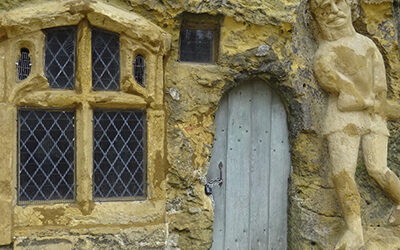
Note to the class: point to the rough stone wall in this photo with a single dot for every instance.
(272, 41)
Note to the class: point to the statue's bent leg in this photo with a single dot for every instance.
(343, 154)
(375, 157)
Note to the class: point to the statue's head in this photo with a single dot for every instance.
(332, 16)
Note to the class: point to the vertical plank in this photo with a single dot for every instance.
(238, 159)
(260, 168)
(280, 168)
(219, 155)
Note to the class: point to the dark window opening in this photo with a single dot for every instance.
(199, 38)
(60, 57)
(105, 60)
(119, 154)
(23, 65)
(46, 155)
(139, 70)
(196, 45)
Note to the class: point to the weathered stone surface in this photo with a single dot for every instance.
(270, 40)
(254, 11)
(146, 237)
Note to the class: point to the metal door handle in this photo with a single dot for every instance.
(220, 173)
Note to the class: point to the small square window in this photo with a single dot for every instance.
(198, 41)
(46, 155)
(119, 154)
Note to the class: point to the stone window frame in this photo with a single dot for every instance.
(23, 27)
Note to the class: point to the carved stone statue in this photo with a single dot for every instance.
(350, 67)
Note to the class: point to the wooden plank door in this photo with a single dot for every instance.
(251, 141)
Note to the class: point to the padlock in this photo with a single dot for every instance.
(207, 189)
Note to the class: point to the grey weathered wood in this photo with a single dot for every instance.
(237, 170)
(260, 174)
(280, 168)
(252, 143)
(219, 155)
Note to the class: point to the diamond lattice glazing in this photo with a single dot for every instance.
(60, 57)
(46, 155)
(119, 162)
(105, 60)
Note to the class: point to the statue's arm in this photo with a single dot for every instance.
(383, 106)
(380, 86)
(328, 77)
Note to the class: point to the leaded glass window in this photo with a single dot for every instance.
(105, 60)
(119, 154)
(196, 45)
(46, 136)
(139, 70)
(60, 57)
(46, 155)
(23, 65)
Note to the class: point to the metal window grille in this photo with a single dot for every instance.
(105, 60)
(60, 57)
(23, 65)
(196, 45)
(139, 70)
(46, 155)
(119, 154)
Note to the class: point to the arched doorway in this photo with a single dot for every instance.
(251, 142)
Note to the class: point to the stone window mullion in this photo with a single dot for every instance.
(84, 154)
(84, 113)
(84, 59)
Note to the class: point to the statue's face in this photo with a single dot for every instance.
(331, 14)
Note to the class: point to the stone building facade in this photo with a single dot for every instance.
(268, 41)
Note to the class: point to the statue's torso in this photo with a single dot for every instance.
(353, 59)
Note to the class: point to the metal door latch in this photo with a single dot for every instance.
(213, 182)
